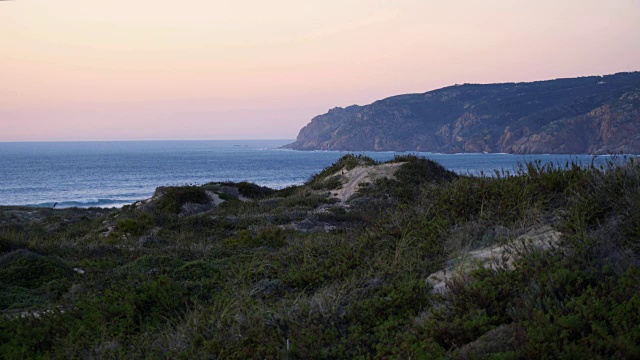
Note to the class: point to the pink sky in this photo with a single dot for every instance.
(207, 69)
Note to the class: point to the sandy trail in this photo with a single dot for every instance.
(362, 174)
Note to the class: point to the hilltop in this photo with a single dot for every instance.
(402, 259)
(594, 115)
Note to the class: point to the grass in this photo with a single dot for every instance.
(238, 281)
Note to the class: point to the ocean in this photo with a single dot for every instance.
(116, 173)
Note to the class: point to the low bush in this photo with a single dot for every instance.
(253, 191)
(173, 198)
(30, 270)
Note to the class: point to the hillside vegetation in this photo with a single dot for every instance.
(235, 270)
(594, 114)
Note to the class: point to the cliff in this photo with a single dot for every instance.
(595, 114)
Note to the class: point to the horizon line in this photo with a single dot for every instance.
(142, 140)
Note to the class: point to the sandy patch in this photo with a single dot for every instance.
(497, 257)
(360, 175)
(215, 198)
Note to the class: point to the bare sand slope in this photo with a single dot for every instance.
(360, 175)
(543, 238)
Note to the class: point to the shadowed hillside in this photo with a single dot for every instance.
(595, 115)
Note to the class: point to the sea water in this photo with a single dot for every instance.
(112, 174)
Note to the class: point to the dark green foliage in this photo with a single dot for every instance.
(173, 198)
(19, 297)
(28, 279)
(201, 270)
(30, 270)
(331, 183)
(239, 281)
(417, 170)
(116, 314)
(272, 237)
(5, 245)
(151, 264)
(288, 191)
(250, 190)
(135, 226)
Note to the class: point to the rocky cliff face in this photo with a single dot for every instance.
(597, 115)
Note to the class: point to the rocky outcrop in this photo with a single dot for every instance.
(596, 115)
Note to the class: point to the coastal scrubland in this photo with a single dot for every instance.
(236, 270)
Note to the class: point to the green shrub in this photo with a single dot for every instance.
(330, 183)
(271, 237)
(253, 191)
(288, 191)
(19, 298)
(198, 270)
(173, 198)
(416, 170)
(135, 226)
(154, 264)
(30, 270)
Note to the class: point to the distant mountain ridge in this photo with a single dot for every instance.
(595, 115)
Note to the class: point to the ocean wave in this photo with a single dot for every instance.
(86, 203)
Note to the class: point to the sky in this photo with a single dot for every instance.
(76, 70)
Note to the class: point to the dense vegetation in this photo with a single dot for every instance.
(294, 273)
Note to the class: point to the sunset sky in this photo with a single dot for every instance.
(248, 69)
